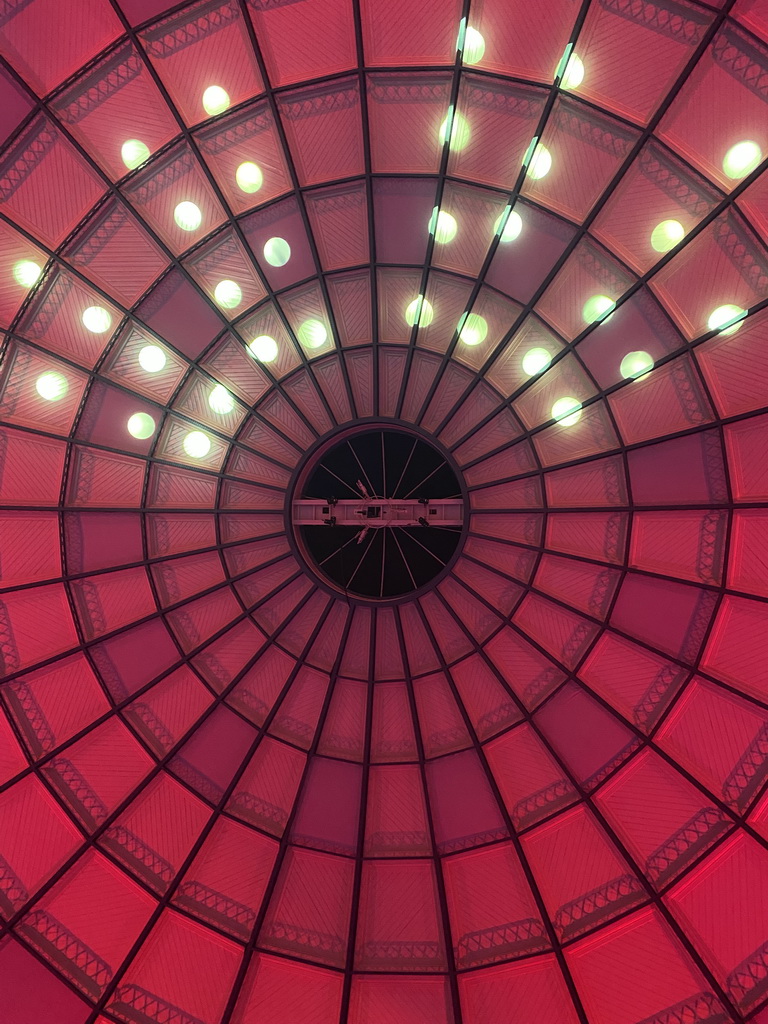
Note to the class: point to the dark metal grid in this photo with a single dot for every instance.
(655, 440)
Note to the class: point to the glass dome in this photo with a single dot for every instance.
(470, 735)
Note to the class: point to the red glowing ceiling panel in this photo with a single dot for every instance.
(382, 512)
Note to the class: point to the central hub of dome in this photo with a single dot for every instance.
(378, 511)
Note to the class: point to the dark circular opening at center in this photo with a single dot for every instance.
(380, 513)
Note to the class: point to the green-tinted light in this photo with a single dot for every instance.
(220, 400)
(567, 411)
(313, 334)
(727, 319)
(152, 359)
(536, 360)
(134, 152)
(96, 319)
(599, 307)
(27, 273)
(51, 386)
(512, 228)
(197, 444)
(742, 159)
(666, 235)
(188, 216)
(249, 177)
(215, 100)
(474, 330)
(141, 426)
(277, 252)
(228, 294)
(636, 364)
(444, 226)
(460, 131)
(420, 309)
(264, 348)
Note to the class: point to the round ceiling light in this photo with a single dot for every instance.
(228, 294)
(188, 216)
(215, 100)
(196, 444)
(152, 359)
(249, 177)
(420, 309)
(134, 153)
(51, 386)
(96, 319)
(277, 252)
(264, 348)
(141, 426)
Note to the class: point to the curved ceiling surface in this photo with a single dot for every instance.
(533, 789)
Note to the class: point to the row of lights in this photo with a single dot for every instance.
(444, 226)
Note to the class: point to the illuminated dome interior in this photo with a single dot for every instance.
(529, 788)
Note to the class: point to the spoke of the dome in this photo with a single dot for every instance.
(582, 231)
(405, 560)
(437, 204)
(371, 220)
(113, 190)
(573, 673)
(651, 893)
(513, 196)
(405, 469)
(90, 841)
(690, 666)
(165, 900)
(293, 174)
(357, 881)
(118, 707)
(158, 612)
(383, 565)
(371, 488)
(285, 840)
(435, 856)
(552, 935)
(233, 222)
(348, 584)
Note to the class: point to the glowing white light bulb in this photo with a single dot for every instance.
(474, 330)
(636, 364)
(420, 309)
(264, 348)
(541, 163)
(474, 47)
(27, 273)
(597, 308)
(277, 252)
(249, 177)
(460, 131)
(152, 359)
(444, 226)
(228, 294)
(728, 319)
(512, 228)
(51, 386)
(313, 334)
(141, 426)
(573, 75)
(666, 235)
(134, 152)
(215, 100)
(220, 400)
(197, 444)
(536, 360)
(96, 319)
(567, 411)
(188, 216)
(741, 159)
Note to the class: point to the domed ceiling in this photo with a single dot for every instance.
(383, 472)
